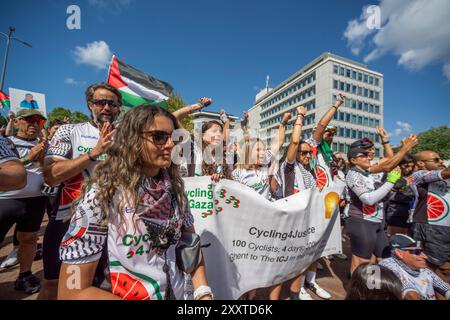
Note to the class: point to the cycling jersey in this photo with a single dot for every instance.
(432, 198)
(257, 179)
(365, 197)
(423, 281)
(135, 259)
(7, 151)
(35, 178)
(69, 142)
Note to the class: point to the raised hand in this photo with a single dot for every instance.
(302, 110)
(410, 142)
(104, 141)
(286, 117)
(340, 100)
(383, 134)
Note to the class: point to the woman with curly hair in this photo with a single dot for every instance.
(122, 238)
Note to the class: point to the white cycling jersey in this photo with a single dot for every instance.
(70, 142)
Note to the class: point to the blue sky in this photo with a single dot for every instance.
(224, 49)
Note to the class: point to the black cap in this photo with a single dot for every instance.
(364, 143)
(354, 152)
(401, 241)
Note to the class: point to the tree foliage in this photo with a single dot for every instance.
(174, 103)
(61, 112)
(435, 139)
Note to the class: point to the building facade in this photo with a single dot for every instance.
(316, 86)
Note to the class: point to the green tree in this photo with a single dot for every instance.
(78, 117)
(435, 139)
(174, 103)
(58, 113)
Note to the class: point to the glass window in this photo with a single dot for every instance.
(371, 108)
(342, 86)
(376, 82)
(335, 116)
(366, 92)
(371, 123)
(347, 103)
(377, 123)
(377, 109)
(348, 73)
(354, 74)
(354, 89)
(341, 116)
(342, 71)
(360, 120)
(366, 121)
(370, 80)
(359, 76)
(377, 95)
(342, 132)
(347, 118)
(360, 105)
(366, 106)
(371, 94)
(353, 134)
(354, 118)
(360, 134)
(365, 78)
(335, 84)
(347, 133)
(377, 152)
(354, 104)
(360, 91)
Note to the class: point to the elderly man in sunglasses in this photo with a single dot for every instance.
(431, 213)
(26, 207)
(408, 262)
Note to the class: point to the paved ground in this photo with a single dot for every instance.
(333, 277)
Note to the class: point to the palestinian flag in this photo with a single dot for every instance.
(136, 86)
(4, 100)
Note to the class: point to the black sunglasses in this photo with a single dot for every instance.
(304, 153)
(416, 251)
(104, 102)
(159, 137)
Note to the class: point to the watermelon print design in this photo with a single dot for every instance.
(437, 207)
(322, 178)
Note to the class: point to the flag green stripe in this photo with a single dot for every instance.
(5, 103)
(130, 100)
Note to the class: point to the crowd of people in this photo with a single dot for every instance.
(107, 185)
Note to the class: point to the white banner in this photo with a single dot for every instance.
(255, 243)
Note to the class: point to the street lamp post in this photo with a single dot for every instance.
(5, 60)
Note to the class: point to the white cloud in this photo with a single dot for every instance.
(403, 129)
(95, 54)
(416, 31)
(72, 81)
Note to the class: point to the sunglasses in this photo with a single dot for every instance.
(104, 102)
(158, 138)
(34, 119)
(435, 160)
(416, 251)
(305, 153)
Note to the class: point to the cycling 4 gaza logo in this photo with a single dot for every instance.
(229, 200)
(438, 199)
